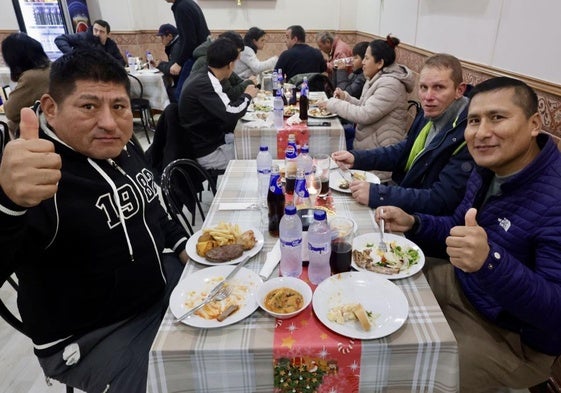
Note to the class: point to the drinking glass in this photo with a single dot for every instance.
(342, 234)
(322, 162)
(313, 184)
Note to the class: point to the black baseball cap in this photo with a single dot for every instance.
(166, 29)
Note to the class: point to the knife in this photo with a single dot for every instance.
(212, 294)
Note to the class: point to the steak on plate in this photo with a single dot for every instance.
(224, 253)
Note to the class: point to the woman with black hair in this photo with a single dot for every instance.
(29, 68)
(248, 64)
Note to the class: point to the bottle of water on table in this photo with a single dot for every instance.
(290, 233)
(264, 163)
(278, 110)
(319, 248)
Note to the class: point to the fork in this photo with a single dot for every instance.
(222, 294)
(344, 173)
(382, 244)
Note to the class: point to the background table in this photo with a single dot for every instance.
(154, 88)
(422, 356)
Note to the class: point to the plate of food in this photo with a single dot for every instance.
(358, 305)
(403, 258)
(291, 110)
(252, 116)
(338, 183)
(193, 289)
(320, 113)
(224, 244)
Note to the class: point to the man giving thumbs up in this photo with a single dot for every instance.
(500, 287)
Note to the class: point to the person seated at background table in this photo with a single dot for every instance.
(170, 39)
(82, 226)
(500, 286)
(335, 49)
(233, 86)
(248, 64)
(380, 113)
(431, 166)
(97, 36)
(205, 111)
(29, 67)
(353, 84)
(299, 58)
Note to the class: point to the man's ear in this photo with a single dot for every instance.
(460, 90)
(535, 122)
(49, 106)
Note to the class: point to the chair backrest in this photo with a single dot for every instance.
(182, 181)
(7, 314)
(413, 109)
(141, 87)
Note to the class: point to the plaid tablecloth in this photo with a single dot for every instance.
(422, 356)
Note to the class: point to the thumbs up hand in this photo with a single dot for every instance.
(467, 245)
(30, 168)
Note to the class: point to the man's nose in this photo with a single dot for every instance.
(106, 119)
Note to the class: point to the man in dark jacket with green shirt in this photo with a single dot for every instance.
(82, 227)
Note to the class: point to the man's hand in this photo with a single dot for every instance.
(30, 169)
(252, 90)
(253, 79)
(338, 93)
(467, 245)
(175, 69)
(396, 220)
(343, 159)
(360, 190)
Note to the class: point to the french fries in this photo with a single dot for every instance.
(220, 235)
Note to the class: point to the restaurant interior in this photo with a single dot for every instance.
(513, 38)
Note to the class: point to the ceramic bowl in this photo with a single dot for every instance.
(284, 282)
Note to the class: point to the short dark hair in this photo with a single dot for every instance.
(446, 61)
(85, 65)
(360, 49)
(298, 32)
(524, 96)
(22, 53)
(221, 52)
(384, 49)
(254, 33)
(235, 37)
(102, 23)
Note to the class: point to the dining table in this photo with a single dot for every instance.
(154, 88)
(264, 354)
(321, 134)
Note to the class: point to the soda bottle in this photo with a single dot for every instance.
(264, 163)
(275, 201)
(301, 195)
(304, 103)
(149, 59)
(319, 248)
(278, 110)
(290, 231)
(290, 157)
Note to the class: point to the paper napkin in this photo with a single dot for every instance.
(273, 258)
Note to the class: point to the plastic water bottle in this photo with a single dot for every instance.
(304, 102)
(290, 157)
(305, 162)
(149, 60)
(319, 248)
(264, 163)
(275, 201)
(290, 233)
(275, 80)
(278, 110)
(301, 195)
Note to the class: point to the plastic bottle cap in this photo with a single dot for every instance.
(290, 210)
(263, 148)
(319, 215)
(305, 149)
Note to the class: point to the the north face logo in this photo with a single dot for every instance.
(504, 223)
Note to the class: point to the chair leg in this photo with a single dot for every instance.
(145, 124)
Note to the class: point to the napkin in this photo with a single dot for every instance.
(237, 206)
(273, 258)
(294, 119)
(259, 123)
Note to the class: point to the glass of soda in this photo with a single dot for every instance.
(322, 162)
(342, 234)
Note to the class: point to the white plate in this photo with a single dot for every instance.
(319, 116)
(361, 242)
(191, 248)
(377, 295)
(252, 116)
(335, 179)
(192, 287)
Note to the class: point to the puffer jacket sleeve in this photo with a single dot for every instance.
(249, 58)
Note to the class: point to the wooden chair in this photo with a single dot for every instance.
(14, 321)
(182, 182)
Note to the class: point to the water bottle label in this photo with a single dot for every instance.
(321, 249)
(265, 171)
(291, 243)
